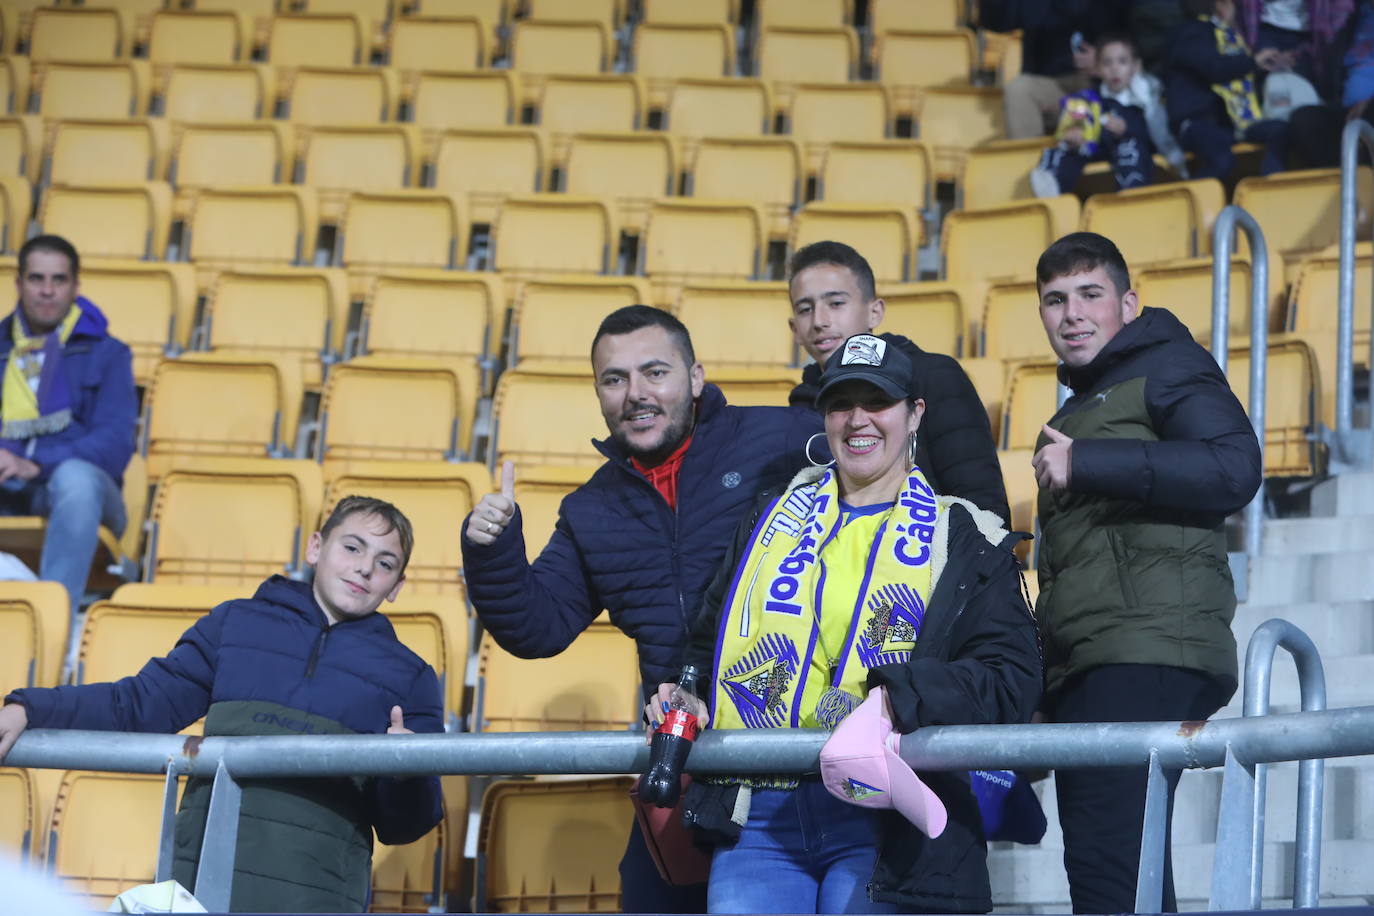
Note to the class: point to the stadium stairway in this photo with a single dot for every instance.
(1315, 572)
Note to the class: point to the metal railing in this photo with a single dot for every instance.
(1353, 447)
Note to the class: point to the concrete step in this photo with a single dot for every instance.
(1338, 534)
(1342, 628)
(1347, 684)
(1347, 809)
(1307, 578)
(1346, 494)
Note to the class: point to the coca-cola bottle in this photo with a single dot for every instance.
(672, 741)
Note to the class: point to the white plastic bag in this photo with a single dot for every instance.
(163, 897)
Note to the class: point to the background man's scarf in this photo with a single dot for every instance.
(27, 413)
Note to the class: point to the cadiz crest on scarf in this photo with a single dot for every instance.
(1242, 104)
(804, 566)
(35, 400)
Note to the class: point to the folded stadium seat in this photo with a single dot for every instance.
(444, 101)
(255, 17)
(228, 154)
(315, 40)
(764, 170)
(1184, 287)
(386, 229)
(97, 152)
(438, 620)
(129, 220)
(136, 19)
(436, 496)
(887, 234)
(263, 510)
(825, 114)
(697, 239)
(1151, 225)
(1023, 491)
(541, 415)
(756, 387)
(816, 14)
(254, 409)
(485, 165)
(16, 209)
(410, 878)
(699, 108)
(879, 171)
(631, 169)
(21, 146)
(907, 62)
(1314, 315)
(738, 325)
(77, 34)
(196, 37)
(14, 84)
(425, 633)
(118, 639)
(336, 161)
(442, 316)
(552, 314)
(931, 314)
(85, 857)
(553, 845)
(1292, 407)
(588, 104)
(998, 172)
(664, 52)
(202, 598)
(373, 18)
(610, 13)
(1299, 212)
(1032, 398)
(338, 97)
(989, 378)
(36, 620)
(418, 43)
(19, 825)
(595, 685)
(1011, 329)
(153, 305)
(540, 234)
(203, 94)
(952, 122)
(786, 56)
(539, 491)
(117, 89)
(702, 12)
(903, 15)
(1017, 233)
(273, 226)
(295, 316)
(493, 14)
(541, 49)
(378, 409)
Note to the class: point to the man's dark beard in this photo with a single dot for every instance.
(679, 428)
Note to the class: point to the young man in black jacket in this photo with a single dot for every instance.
(833, 298)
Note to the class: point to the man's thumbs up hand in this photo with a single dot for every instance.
(495, 510)
(1054, 463)
(397, 726)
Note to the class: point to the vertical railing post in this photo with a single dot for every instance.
(215, 874)
(1356, 132)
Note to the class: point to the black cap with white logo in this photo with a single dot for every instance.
(865, 357)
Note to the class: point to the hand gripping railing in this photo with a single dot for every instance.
(1353, 451)
(1238, 869)
(1223, 232)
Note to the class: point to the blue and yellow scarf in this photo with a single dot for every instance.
(1242, 103)
(35, 399)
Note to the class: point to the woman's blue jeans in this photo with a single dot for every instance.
(802, 851)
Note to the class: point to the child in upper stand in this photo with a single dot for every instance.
(1122, 121)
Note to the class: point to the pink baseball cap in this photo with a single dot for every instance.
(860, 765)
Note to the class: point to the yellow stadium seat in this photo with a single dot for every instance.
(539, 491)
(1032, 398)
(756, 387)
(1185, 288)
(1151, 225)
(551, 315)
(378, 409)
(553, 233)
(68, 34)
(998, 173)
(907, 62)
(595, 686)
(136, 18)
(1011, 326)
(822, 115)
(488, 164)
(764, 170)
(877, 172)
(90, 861)
(493, 14)
(373, 17)
(357, 95)
(1023, 492)
(738, 325)
(932, 314)
(150, 306)
(787, 56)
(16, 202)
(553, 845)
(631, 169)
(14, 84)
(998, 243)
(718, 108)
(698, 13)
(19, 828)
(954, 121)
(321, 40)
(409, 878)
(1299, 212)
(204, 94)
(251, 423)
(97, 152)
(436, 496)
(698, 239)
(588, 104)
(37, 623)
(266, 226)
(885, 233)
(262, 511)
(384, 229)
(336, 161)
(816, 14)
(484, 98)
(232, 154)
(111, 221)
(117, 89)
(1292, 406)
(1312, 316)
(21, 146)
(665, 52)
(415, 613)
(989, 377)
(540, 49)
(542, 415)
(202, 598)
(195, 37)
(118, 639)
(903, 15)
(433, 43)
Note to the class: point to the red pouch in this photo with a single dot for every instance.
(679, 860)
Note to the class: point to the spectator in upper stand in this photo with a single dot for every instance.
(68, 408)
(1151, 24)
(1212, 91)
(1057, 54)
(1316, 129)
(1308, 30)
(1122, 121)
(645, 535)
(834, 297)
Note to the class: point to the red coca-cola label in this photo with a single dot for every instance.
(681, 724)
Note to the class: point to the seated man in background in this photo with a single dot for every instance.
(296, 658)
(68, 408)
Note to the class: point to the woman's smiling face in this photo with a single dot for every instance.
(868, 431)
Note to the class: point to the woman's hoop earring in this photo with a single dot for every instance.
(814, 462)
(910, 449)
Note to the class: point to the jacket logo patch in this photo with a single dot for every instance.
(1101, 396)
(730, 480)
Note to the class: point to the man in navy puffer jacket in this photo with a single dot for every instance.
(646, 534)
